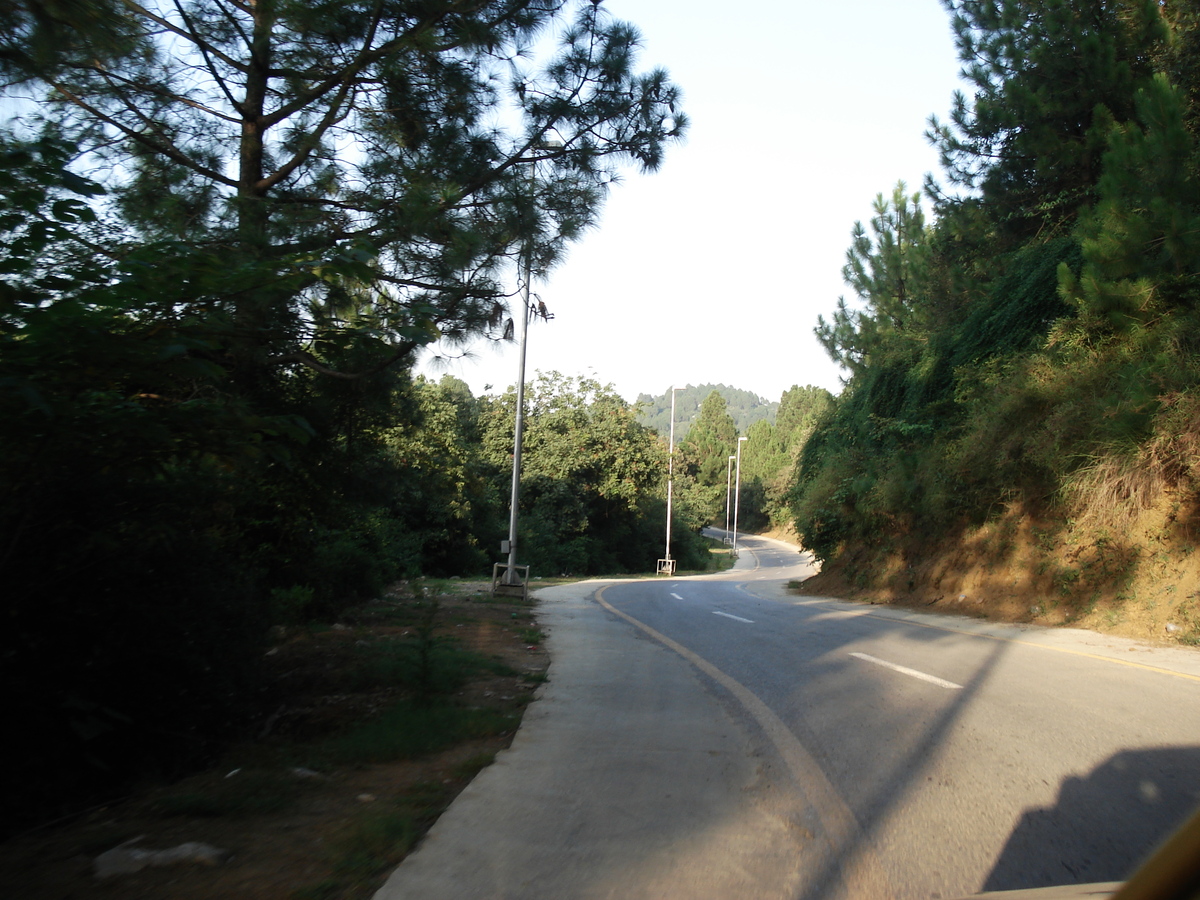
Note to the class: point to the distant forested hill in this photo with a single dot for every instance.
(745, 407)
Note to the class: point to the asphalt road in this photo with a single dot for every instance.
(718, 737)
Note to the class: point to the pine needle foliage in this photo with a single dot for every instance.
(1046, 350)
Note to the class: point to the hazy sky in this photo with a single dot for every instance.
(715, 268)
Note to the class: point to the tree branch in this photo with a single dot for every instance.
(306, 359)
(179, 32)
(204, 49)
(166, 150)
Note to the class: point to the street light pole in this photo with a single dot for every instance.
(510, 575)
(737, 495)
(728, 482)
(670, 480)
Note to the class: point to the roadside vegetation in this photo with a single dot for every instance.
(227, 234)
(228, 229)
(715, 417)
(375, 722)
(1020, 420)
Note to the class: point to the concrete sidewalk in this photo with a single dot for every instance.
(626, 779)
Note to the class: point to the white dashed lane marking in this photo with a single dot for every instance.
(904, 670)
(717, 612)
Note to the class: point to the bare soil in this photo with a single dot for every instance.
(334, 834)
(1140, 581)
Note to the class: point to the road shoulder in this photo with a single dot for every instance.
(628, 778)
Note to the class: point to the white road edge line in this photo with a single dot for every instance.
(717, 612)
(676, 596)
(904, 670)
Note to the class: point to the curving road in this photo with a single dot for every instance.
(718, 737)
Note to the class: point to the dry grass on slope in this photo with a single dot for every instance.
(1136, 575)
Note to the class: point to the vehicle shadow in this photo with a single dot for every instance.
(1103, 825)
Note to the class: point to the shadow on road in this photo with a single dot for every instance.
(1103, 825)
(1101, 828)
(854, 861)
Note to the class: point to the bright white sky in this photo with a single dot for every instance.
(715, 268)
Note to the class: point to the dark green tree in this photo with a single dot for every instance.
(766, 465)
(1048, 76)
(1141, 242)
(888, 270)
(799, 410)
(710, 441)
(202, 360)
(449, 501)
(131, 509)
(593, 483)
(704, 455)
(39, 38)
(349, 151)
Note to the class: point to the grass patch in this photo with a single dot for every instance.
(532, 635)
(245, 793)
(377, 840)
(720, 556)
(372, 711)
(409, 730)
(472, 766)
(431, 665)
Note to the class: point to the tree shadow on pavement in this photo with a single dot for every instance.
(852, 869)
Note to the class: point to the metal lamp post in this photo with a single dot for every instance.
(728, 483)
(511, 576)
(510, 573)
(737, 495)
(666, 566)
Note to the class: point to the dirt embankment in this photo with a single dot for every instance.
(1140, 581)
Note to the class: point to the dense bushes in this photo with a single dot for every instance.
(593, 492)
(163, 505)
(1037, 343)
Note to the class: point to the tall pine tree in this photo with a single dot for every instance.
(344, 160)
(888, 271)
(1048, 77)
(710, 441)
